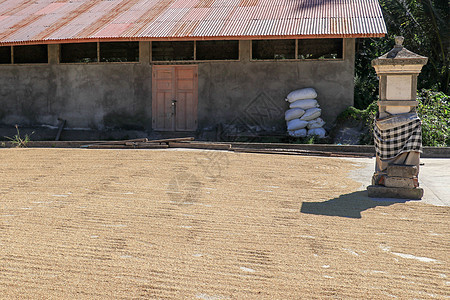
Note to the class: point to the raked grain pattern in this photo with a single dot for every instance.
(159, 224)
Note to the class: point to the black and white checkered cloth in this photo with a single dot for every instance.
(396, 140)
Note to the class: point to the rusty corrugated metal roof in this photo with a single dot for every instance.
(55, 21)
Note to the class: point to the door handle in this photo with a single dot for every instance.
(174, 107)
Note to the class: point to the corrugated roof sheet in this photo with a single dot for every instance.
(54, 21)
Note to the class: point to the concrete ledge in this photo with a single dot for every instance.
(366, 149)
(378, 191)
(55, 144)
(428, 152)
(436, 152)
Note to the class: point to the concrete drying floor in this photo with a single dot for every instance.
(155, 224)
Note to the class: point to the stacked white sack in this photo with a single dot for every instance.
(303, 115)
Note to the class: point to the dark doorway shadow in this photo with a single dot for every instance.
(347, 206)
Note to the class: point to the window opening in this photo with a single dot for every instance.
(119, 52)
(273, 49)
(169, 51)
(320, 49)
(79, 53)
(217, 50)
(5, 55)
(33, 54)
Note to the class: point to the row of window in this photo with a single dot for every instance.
(198, 50)
(298, 49)
(176, 51)
(72, 53)
(103, 52)
(24, 54)
(261, 50)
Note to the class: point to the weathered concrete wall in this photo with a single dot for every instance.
(94, 96)
(254, 91)
(112, 95)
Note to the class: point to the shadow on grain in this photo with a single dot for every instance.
(347, 206)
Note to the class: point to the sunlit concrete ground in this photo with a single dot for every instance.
(434, 178)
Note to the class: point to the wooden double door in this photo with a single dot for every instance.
(174, 97)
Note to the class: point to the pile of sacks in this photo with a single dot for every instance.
(303, 116)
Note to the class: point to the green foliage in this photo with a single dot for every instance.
(365, 117)
(434, 111)
(368, 116)
(309, 140)
(19, 141)
(366, 82)
(425, 27)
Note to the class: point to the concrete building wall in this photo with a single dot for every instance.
(86, 95)
(118, 95)
(256, 90)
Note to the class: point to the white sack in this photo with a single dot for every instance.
(319, 132)
(311, 114)
(296, 124)
(304, 104)
(306, 93)
(293, 113)
(316, 123)
(298, 133)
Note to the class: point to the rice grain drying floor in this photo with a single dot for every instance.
(162, 224)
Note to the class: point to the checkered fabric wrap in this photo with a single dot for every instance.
(393, 141)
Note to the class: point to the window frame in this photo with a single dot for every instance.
(98, 62)
(297, 55)
(325, 59)
(274, 59)
(99, 58)
(11, 57)
(151, 61)
(27, 64)
(214, 60)
(195, 60)
(74, 63)
(172, 61)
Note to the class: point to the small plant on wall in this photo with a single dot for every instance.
(19, 141)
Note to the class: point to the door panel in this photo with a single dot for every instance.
(162, 110)
(186, 90)
(174, 104)
(181, 111)
(191, 110)
(164, 84)
(186, 73)
(184, 84)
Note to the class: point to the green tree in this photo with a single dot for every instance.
(366, 82)
(425, 26)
